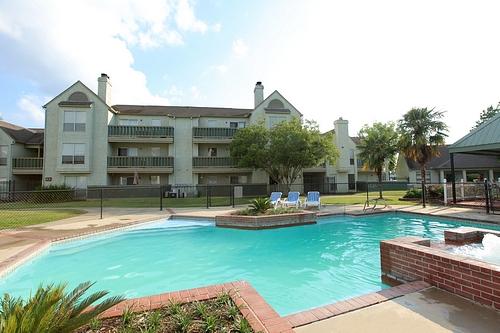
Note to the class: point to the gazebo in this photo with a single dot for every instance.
(483, 140)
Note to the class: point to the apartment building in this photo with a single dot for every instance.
(89, 141)
(21, 161)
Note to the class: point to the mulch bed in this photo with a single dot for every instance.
(214, 315)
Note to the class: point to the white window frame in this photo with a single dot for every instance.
(73, 153)
(74, 121)
(154, 179)
(4, 154)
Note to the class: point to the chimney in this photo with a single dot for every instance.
(341, 127)
(258, 93)
(104, 88)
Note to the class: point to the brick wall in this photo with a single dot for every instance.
(411, 259)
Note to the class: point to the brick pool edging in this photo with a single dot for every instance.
(408, 259)
(265, 221)
(352, 304)
(260, 315)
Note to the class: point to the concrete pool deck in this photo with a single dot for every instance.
(429, 310)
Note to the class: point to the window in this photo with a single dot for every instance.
(155, 180)
(351, 180)
(236, 124)
(273, 121)
(126, 151)
(275, 104)
(3, 155)
(351, 157)
(360, 163)
(155, 151)
(212, 152)
(76, 181)
(234, 180)
(155, 122)
(427, 176)
(212, 180)
(73, 153)
(74, 121)
(129, 122)
(126, 180)
(212, 123)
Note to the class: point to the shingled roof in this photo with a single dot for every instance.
(180, 111)
(462, 161)
(21, 134)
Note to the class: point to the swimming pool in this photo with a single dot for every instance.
(294, 269)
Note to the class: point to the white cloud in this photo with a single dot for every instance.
(240, 48)
(53, 44)
(31, 109)
(186, 20)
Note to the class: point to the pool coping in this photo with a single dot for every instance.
(11, 263)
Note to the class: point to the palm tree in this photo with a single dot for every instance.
(378, 145)
(52, 310)
(421, 134)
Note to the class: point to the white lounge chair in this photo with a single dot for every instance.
(292, 200)
(275, 198)
(313, 199)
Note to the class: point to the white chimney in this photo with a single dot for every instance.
(341, 127)
(258, 93)
(104, 88)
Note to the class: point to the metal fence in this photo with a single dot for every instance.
(20, 208)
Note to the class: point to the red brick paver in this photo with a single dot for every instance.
(260, 315)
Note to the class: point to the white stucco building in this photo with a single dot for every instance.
(89, 141)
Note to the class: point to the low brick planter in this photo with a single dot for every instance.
(265, 221)
(408, 259)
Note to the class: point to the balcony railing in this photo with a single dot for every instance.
(214, 132)
(212, 162)
(141, 131)
(27, 163)
(140, 161)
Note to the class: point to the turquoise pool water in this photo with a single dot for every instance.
(294, 269)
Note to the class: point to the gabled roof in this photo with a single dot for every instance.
(462, 161)
(22, 135)
(280, 95)
(485, 138)
(88, 89)
(180, 111)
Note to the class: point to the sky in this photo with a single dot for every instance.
(365, 61)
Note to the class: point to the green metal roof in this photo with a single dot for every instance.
(485, 139)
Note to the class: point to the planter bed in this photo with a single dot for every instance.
(218, 314)
(265, 221)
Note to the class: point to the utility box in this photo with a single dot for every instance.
(238, 191)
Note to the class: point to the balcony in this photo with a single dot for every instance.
(206, 164)
(153, 134)
(27, 165)
(146, 164)
(213, 134)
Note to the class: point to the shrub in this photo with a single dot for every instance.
(260, 205)
(435, 191)
(52, 310)
(413, 194)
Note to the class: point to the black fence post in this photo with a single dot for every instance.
(161, 197)
(423, 194)
(100, 194)
(367, 194)
(231, 188)
(487, 196)
(206, 191)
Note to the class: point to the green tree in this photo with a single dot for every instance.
(378, 147)
(490, 112)
(284, 150)
(421, 134)
(52, 310)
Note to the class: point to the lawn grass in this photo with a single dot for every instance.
(390, 196)
(20, 218)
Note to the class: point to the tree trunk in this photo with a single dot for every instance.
(423, 175)
(379, 175)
